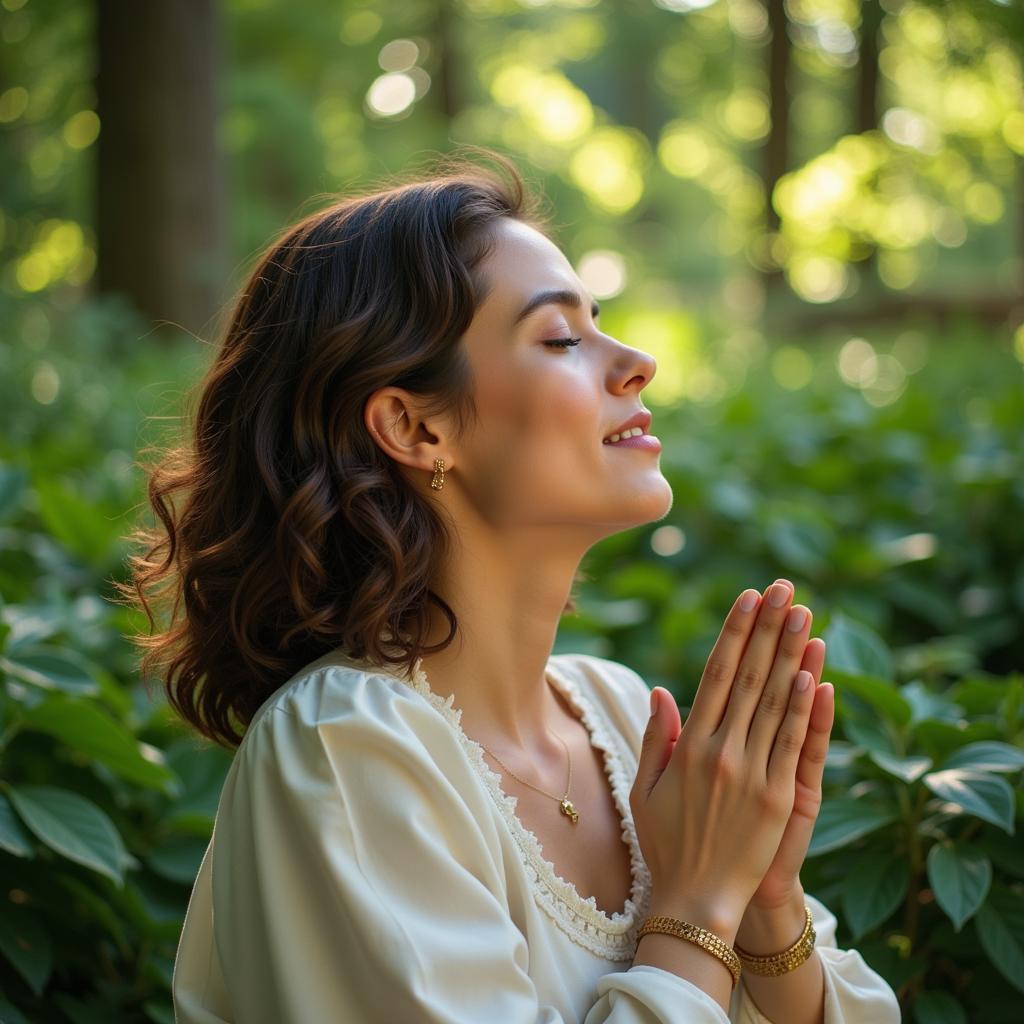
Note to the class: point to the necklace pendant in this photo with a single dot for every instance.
(568, 810)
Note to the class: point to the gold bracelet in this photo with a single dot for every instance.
(700, 936)
(788, 959)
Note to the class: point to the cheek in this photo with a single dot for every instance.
(539, 404)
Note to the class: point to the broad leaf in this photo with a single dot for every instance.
(960, 877)
(873, 889)
(986, 756)
(999, 924)
(909, 769)
(51, 669)
(72, 826)
(26, 945)
(88, 730)
(856, 650)
(938, 1008)
(13, 837)
(985, 796)
(841, 822)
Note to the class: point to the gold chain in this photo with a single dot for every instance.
(565, 804)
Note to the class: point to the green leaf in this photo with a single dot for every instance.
(78, 522)
(51, 669)
(873, 889)
(1006, 853)
(927, 705)
(986, 756)
(13, 837)
(88, 730)
(938, 1008)
(72, 826)
(10, 1014)
(856, 650)
(26, 945)
(960, 877)
(869, 735)
(841, 822)
(178, 859)
(12, 486)
(985, 796)
(909, 769)
(159, 1013)
(879, 695)
(803, 545)
(202, 770)
(999, 924)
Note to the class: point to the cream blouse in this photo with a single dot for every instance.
(366, 867)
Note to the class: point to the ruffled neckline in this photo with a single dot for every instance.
(612, 936)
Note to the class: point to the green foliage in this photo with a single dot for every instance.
(898, 521)
(106, 804)
(890, 492)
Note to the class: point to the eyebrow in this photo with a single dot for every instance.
(554, 297)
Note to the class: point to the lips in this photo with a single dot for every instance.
(639, 419)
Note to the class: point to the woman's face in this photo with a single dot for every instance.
(536, 457)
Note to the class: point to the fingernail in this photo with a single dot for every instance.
(777, 595)
(654, 701)
(748, 600)
(803, 680)
(796, 620)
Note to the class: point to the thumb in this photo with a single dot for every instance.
(658, 741)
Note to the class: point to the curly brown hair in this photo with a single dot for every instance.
(297, 534)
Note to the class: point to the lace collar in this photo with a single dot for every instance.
(610, 936)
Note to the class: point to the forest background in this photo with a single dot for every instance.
(811, 212)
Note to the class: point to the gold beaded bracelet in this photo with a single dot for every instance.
(788, 959)
(700, 936)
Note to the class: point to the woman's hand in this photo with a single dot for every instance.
(712, 798)
(782, 879)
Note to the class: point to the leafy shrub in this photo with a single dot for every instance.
(896, 520)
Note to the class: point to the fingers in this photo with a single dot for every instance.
(716, 683)
(811, 768)
(756, 662)
(789, 741)
(814, 658)
(771, 706)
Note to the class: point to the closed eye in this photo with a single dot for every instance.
(563, 342)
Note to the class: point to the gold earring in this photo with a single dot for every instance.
(438, 482)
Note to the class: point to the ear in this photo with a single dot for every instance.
(392, 417)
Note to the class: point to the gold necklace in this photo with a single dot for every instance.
(564, 803)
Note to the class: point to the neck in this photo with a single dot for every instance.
(508, 610)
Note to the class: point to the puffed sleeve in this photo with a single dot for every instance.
(352, 882)
(854, 993)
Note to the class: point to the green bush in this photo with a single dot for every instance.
(897, 519)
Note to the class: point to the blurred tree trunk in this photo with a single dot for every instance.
(871, 15)
(775, 153)
(448, 99)
(160, 189)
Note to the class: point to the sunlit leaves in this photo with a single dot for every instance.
(976, 793)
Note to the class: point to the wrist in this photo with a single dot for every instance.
(717, 918)
(765, 931)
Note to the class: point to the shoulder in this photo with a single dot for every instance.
(621, 692)
(610, 679)
(332, 703)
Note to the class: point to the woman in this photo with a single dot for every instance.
(412, 433)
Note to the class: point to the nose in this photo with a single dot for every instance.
(634, 364)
